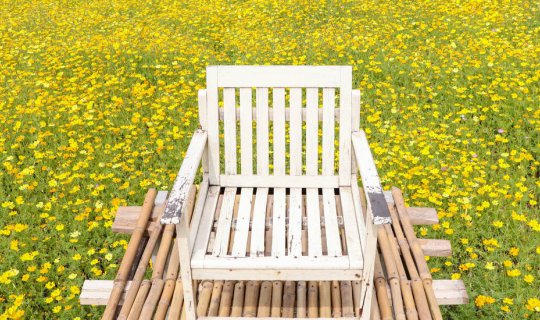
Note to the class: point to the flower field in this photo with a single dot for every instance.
(98, 102)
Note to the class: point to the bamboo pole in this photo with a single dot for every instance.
(325, 299)
(419, 295)
(336, 299)
(418, 255)
(139, 300)
(277, 294)
(177, 302)
(226, 299)
(392, 273)
(347, 308)
(204, 298)
(152, 299)
(289, 297)
(170, 282)
(125, 266)
(251, 299)
(380, 289)
(216, 298)
(313, 299)
(265, 300)
(375, 312)
(238, 299)
(301, 300)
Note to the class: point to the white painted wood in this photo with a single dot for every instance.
(276, 181)
(273, 262)
(312, 133)
(294, 239)
(246, 132)
(190, 295)
(345, 127)
(279, 131)
(370, 179)
(197, 211)
(370, 252)
(206, 222)
(279, 76)
(333, 240)
(229, 128)
(276, 274)
(259, 223)
(359, 211)
(328, 137)
(314, 222)
(354, 248)
(213, 125)
(184, 179)
(271, 116)
(262, 131)
(295, 132)
(223, 232)
(278, 222)
(242, 223)
(355, 104)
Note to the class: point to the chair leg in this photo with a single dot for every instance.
(185, 271)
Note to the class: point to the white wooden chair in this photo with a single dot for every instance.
(294, 219)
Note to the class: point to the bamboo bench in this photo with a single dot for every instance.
(332, 299)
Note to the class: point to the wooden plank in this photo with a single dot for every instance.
(203, 122)
(197, 212)
(221, 243)
(271, 113)
(312, 132)
(351, 229)
(328, 131)
(421, 216)
(359, 210)
(294, 239)
(355, 104)
(207, 220)
(278, 222)
(345, 127)
(295, 132)
(262, 131)
(370, 179)
(436, 247)
(448, 292)
(126, 218)
(246, 132)
(259, 221)
(242, 223)
(212, 124)
(272, 262)
(277, 182)
(333, 240)
(279, 131)
(314, 222)
(279, 76)
(229, 128)
(184, 179)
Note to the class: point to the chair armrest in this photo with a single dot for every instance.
(184, 180)
(370, 179)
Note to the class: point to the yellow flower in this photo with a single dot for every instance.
(513, 273)
(76, 257)
(508, 301)
(498, 224)
(505, 308)
(533, 304)
(482, 300)
(514, 251)
(528, 278)
(489, 266)
(50, 285)
(456, 276)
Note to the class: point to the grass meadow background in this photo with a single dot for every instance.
(98, 101)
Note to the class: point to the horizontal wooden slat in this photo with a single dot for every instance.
(278, 76)
(270, 262)
(436, 247)
(278, 181)
(287, 114)
(420, 215)
(276, 274)
(447, 292)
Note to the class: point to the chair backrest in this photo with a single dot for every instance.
(271, 111)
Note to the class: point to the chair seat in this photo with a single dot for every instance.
(247, 230)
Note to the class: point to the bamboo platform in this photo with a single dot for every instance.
(403, 286)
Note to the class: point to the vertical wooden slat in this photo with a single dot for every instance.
(238, 299)
(277, 295)
(242, 223)
(221, 243)
(301, 299)
(229, 128)
(262, 131)
(345, 120)
(295, 131)
(213, 127)
(213, 309)
(289, 297)
(246, 131)
(312, 132)
(278, 222)
(265, 300)
(203, 121)
(313, 299)
(207, 220)
(314, 222)
(226, 299)
(258, 225)
(294, 239)
(333, 240)
(328, 131)
(279, 131)
(351, 229)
